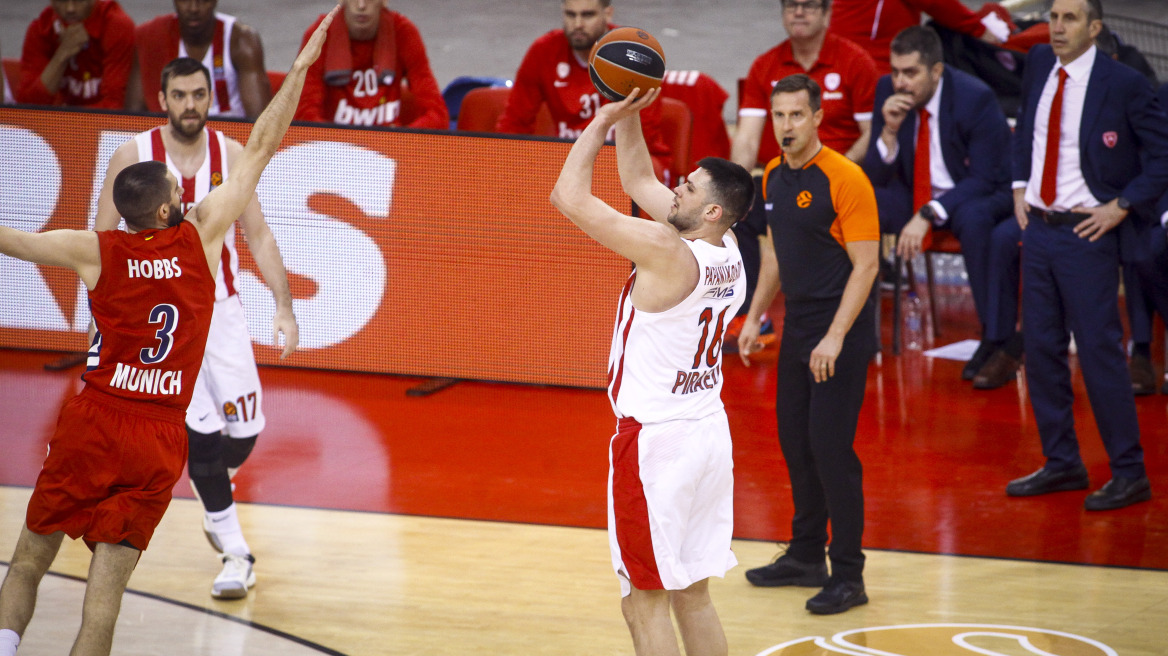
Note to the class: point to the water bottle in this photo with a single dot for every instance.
(914, 337)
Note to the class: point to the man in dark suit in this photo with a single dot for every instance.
(1091, 146)
(940, 160)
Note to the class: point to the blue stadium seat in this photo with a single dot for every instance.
(456, 90)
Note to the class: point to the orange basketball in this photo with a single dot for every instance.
(625, 59)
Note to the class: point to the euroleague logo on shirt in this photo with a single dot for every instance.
(930, 639)
(803, 200)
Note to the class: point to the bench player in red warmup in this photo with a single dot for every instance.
(120, 445)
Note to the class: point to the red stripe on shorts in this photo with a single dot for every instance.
(631, 511)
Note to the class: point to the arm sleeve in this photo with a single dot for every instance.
(864, 76)
(523, 102)
(880, 171)
(855, 205)
(1150, 123)
(411, 52)
(117, 44)
(1024, 129)
(311, 106)
(34, 56)
(951, 14)
(988, 136)
(755, 95)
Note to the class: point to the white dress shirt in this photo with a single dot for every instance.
(1071, 187)
(938, 173)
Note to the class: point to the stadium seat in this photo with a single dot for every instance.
(481, 108)
(705, 99)
(11, 74)
(677, 128)
(276, 78)
(458, 88)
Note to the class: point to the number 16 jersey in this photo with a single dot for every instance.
(668, 365)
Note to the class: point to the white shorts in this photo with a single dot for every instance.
(671, 502)
(227, 392)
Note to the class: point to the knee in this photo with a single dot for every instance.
(236, 450)
(640, 606)
(204, 454)
(695, 598)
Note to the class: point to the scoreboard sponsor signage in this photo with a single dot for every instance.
(411, 253)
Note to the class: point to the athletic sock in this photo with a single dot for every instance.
(8, 642)
(225, 525)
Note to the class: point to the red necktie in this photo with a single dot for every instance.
(922, 173)
(1049, 188)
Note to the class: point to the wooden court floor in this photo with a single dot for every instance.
(471, 521)
(374, 583)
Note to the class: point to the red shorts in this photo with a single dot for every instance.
(111, 466)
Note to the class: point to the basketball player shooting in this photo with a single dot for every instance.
(671, 484)
(120, 444)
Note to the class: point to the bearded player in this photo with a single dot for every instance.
(226, 412)
(119, 445)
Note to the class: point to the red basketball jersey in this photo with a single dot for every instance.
(152, 307)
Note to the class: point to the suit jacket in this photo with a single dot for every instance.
(1123, 136)
(975, 141)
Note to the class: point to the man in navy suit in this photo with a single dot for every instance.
(1090, 146)
(941, 160)
(1145, 284)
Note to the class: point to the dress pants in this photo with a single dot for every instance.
(817, 430)
(1005, 271)
(1068, 281)
(1145, 283)
(973, 224)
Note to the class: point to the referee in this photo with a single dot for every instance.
(822, 221)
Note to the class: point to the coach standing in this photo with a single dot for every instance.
(1090, 147)
(822, 221)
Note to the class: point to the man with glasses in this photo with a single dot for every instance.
(844, 70)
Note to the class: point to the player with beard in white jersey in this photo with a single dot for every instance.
(226, 412)
(671, 481)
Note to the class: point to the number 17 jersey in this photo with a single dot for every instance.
(668, 365)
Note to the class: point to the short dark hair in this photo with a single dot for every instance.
(603, 3)
(919, 39)
(796, 83)
(139, 190)
(731, 187)
(1094, 10)
(181, 67)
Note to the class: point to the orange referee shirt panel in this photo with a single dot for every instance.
(813, 213)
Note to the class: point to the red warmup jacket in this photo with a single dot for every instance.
(370, 96)
(550, 73)
(873, 24)
(94, 77)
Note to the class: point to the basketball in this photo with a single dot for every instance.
(625, 59)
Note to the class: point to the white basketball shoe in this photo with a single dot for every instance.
(236, 578)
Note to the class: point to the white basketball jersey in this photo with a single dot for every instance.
(211, 174)
(668, 365)
(221, 70)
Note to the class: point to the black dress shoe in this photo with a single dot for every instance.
(788, 571)
(999, 370)
(981, 356)
(837, 597)
(1045, 481)
(1119, 492)
(1143, 376)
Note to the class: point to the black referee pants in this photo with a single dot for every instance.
(817, 430)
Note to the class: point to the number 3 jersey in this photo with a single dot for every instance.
(668, 365)
(152, 307)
